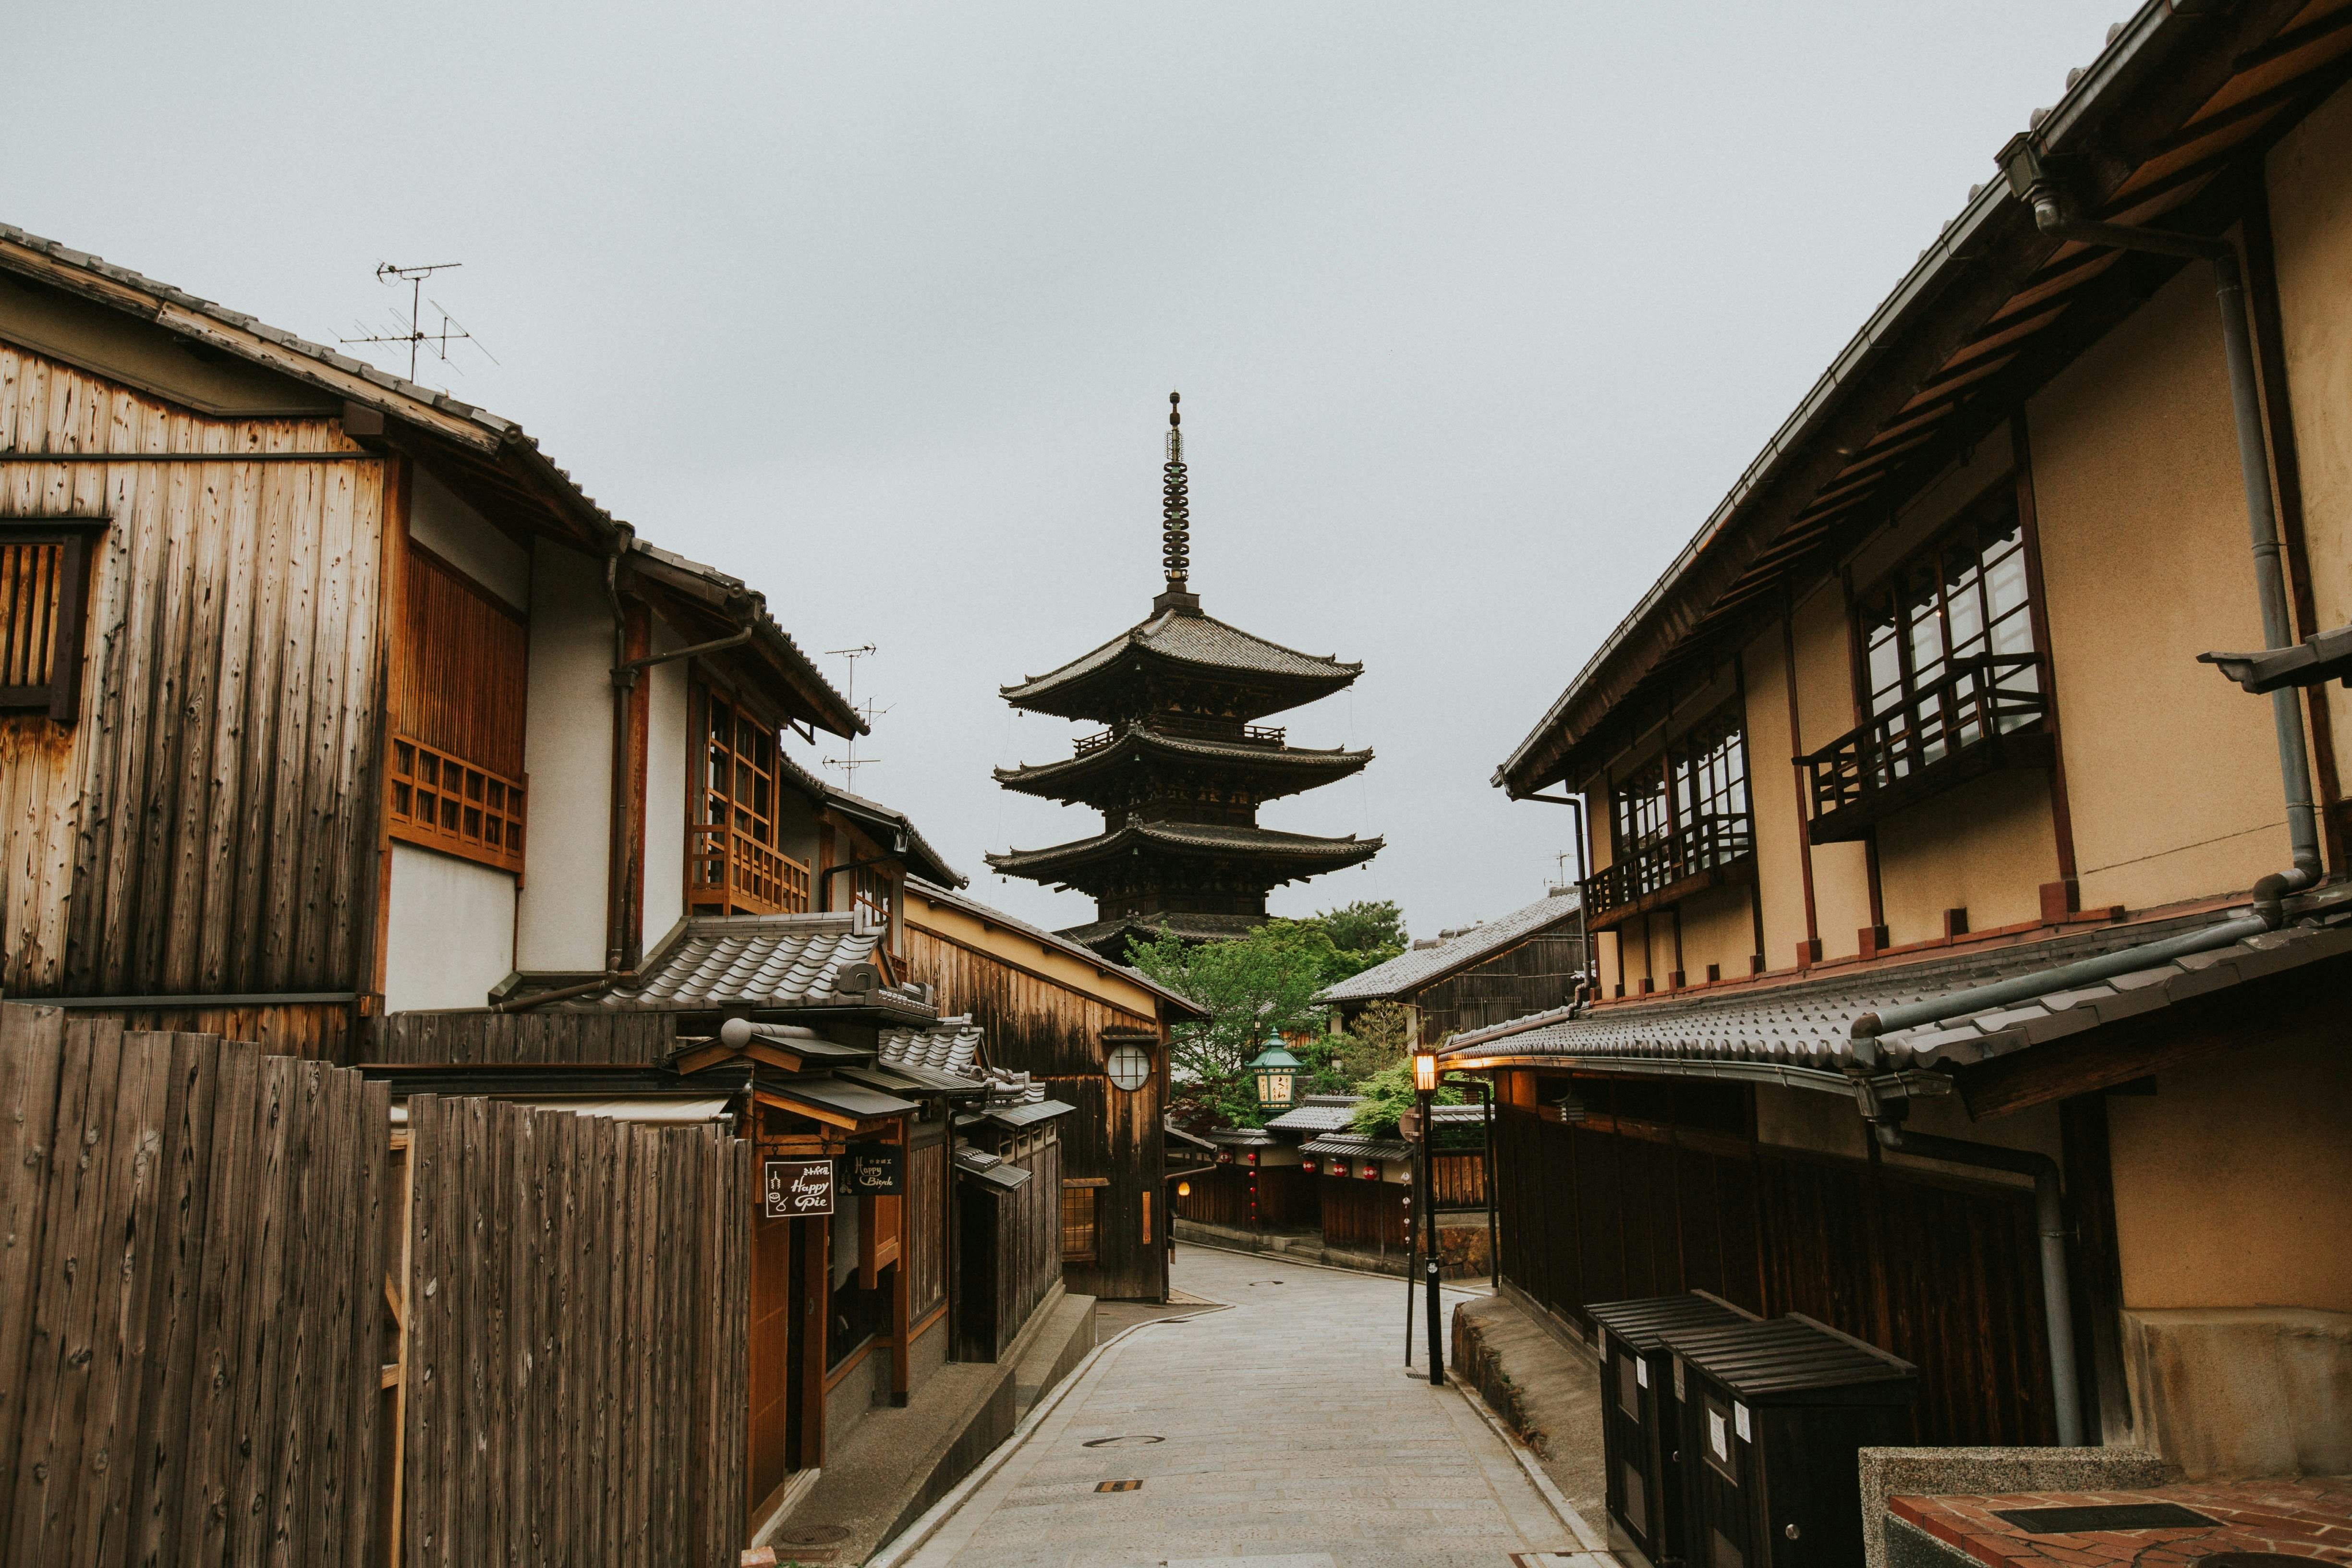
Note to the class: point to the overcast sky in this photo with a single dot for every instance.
(1476, 309)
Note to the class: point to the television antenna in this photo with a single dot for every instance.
(850, 764)
(413, 330)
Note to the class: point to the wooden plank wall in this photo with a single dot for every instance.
(316, 1031)
(459, 666)
(1539, 973)
(579, 1317)
(1368, 1215)
(926, 1234)
(1029, 1235)
(1941, 1272)
(191, 1305)
(601, 1036)
(1039, 1026)
(1458, 1181)
(209, 825)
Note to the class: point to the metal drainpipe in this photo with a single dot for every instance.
(617, 918)
(2253, 467)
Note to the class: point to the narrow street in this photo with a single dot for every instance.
(1282, 1431)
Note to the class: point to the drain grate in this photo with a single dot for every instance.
(1132, 1440)
(2103, 1516)
(1120, 1486)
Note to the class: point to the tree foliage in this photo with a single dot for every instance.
(1379, 1037)
(1388, 1094)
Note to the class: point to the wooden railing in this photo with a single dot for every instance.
(1186, 729)
(731, 873)
(1703, 845)
(440, 801)
(1963, 725)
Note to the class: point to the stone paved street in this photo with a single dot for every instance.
(1290, 1437)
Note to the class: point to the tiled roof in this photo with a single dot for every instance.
(1061, 940)
(921, 858)
(1146, 928)
(1315, 767)
(1318, 1113)
(951, 1045)
(734, 595)
(764, 962)
(1804, 1028)
(1408, 972)
(1196, 838)
(1353, 1146)
(1187, 636)
(1239, 1137)
(1473, 1114)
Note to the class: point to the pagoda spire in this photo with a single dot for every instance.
(1175, 518)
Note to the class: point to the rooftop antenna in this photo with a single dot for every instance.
(451, 330)
(850, 764)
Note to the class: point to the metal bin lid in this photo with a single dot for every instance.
(1642, 1326)
(1795, 1361)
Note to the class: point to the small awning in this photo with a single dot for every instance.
(1017, 1116)
(647, 1111)
(995, 1174)
(835, 1093)
(1351, 1146)
(910, 1077)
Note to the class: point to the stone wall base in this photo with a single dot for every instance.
(2255, 1391)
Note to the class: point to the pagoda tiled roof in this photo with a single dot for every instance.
(1293, 854)
(1111, 937)
(1305, 768)
(1197, 643)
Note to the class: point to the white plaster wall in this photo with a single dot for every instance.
(665, 789)
(452, 932)
(457, 533)
(569, 756)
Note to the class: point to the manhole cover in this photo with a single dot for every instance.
(2103, 1516)
(814, 1535)
(1128, 1441)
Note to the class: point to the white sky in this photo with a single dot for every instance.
(1477, 310)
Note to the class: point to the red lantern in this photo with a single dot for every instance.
(1308, 1165)
(1372, 1170)
(1252, 1156)
(1224, 1156)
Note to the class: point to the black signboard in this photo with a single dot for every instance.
(797, 1189)
(874, 1171)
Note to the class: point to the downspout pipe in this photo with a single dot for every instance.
(2049, 1220)
(1591, 984)
(2030, 182)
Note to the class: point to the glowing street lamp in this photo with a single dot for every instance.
(1424, 1086)
(1276, 1071)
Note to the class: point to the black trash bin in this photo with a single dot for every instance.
(1773, 1415)
(1639, 1431)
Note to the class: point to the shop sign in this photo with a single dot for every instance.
(797, 1189)
(874, 1171)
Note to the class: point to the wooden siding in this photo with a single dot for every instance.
(208, 824)
(479, 1037)
(1942, 1272)
(581, 1296)
(1046, 1029)
(1364, 1215)
(459, 666)
(1458, 1181)
(1537, 975)
(1009, 1248)
(316, 1031)
(924, 1243)
(192, 1307)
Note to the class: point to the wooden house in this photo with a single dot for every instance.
(2003, 1027)
(1095, 1033)
(1523, 962)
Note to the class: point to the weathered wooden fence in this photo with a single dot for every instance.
(191, 1299)
(212, 1351)
(578, 1291)
(477, 1036)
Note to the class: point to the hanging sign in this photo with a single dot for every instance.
(797, 1189)
(874, 1171)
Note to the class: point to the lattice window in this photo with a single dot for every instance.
(1688, 809)
(733, 865)
(441, 802)
(1964, 598)
(44, 575)
(1079, 1223)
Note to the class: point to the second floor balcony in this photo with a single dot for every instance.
(1982, 714)
(1699, 852)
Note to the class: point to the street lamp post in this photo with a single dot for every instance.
(1277, 1072)
(1424, 1086)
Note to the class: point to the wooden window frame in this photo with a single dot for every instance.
(482, 821)
(1979, 517)
(755, 875)
(59, 697)
(1091, 1229)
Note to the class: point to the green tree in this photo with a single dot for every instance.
(1381, 1037)
(1366, 927)
(1259, 985)
(1388, 1094)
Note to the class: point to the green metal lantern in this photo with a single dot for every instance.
(1276, 1071)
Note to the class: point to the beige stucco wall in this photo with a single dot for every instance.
(1718, 927)
(667, 765)
(2172, 772)
(1809, 1119)
(1773, 798)
(451, 931)
(2311, 222)
(1824, 711)
(569, 753)
(2233, 1182)
(1986, 847)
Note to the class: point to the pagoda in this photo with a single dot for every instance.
(1181, 764)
